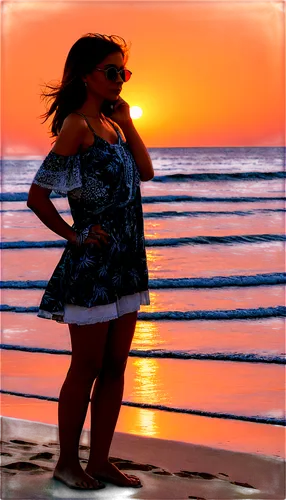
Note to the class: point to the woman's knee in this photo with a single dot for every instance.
(85, 370)
(113, 367)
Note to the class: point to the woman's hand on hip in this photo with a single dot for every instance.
(97, 236)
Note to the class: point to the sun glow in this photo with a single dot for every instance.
(136, 112)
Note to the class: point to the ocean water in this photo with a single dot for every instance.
(211, 344)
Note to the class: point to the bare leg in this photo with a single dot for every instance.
(88, 342)
(106, 401)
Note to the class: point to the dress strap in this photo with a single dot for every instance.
(92, 129)
(116, 128)
(89, 125)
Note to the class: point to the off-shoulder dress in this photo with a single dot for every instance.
(92, 284)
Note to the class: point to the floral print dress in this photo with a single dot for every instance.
(92, 284)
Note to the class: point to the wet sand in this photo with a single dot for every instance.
(167, 469)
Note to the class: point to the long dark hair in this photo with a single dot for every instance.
(84, 55)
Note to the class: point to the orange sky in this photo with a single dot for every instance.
(206, 73)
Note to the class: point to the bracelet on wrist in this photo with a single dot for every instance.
(82, 235)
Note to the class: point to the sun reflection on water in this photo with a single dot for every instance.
(146, 389)
(146, 421)
(153, 262)
(146, 380)
(148, 335)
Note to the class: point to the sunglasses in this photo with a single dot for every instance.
(111, 74)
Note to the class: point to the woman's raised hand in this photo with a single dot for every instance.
(121, 112)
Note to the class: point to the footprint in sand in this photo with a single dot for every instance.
(22, 466)
(9, 472)
(25, 466)
(206, 475)
(243, 487)
(117, 459)
(162, 472)
(19, 441)
(133, 465)
(25, 447)
(42, 456)
(83, 447)
(200, 475)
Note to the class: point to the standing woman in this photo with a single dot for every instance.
(102, 276)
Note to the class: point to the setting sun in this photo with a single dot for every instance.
(136, 112)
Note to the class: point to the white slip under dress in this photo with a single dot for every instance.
(97, 314)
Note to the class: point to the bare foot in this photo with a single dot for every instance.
(111, 474)
(75, 477)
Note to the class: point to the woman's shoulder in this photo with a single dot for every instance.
(71, 135)
(74, 120)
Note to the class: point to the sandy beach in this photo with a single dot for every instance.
(167, 469)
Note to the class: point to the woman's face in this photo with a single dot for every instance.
(97, 82)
